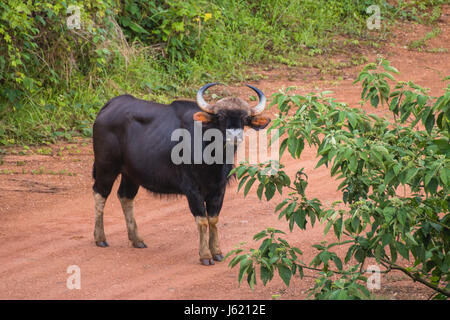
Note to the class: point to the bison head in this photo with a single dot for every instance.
(231, 114)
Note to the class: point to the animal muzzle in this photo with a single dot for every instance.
(234, 135)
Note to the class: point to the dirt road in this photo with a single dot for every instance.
(47, 213)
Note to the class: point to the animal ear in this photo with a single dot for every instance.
(258, 122)
(202, 116)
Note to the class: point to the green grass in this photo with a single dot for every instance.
(240, 34)
(421, 43)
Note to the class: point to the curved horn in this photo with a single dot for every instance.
(259, 108)
(201, 102)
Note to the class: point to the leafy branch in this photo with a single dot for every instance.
(372, 157)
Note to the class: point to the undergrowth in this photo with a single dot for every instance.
(54, 79)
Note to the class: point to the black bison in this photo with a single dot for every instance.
(133, 137)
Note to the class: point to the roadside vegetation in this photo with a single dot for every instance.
(55, 74)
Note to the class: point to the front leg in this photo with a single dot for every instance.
(214, 205)
(197, 206)
(204, 252)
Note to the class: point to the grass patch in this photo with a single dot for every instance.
(421, 43)
(54, 80)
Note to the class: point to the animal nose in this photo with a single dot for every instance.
(234, 135)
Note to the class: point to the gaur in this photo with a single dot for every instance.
(133, 137)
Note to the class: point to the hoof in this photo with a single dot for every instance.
(140, 245)
(207, 262)
(102, 244)
(218, 257)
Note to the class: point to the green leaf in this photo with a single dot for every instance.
(283, 147)
(431, 173)
(281, 205)
(393, 252)
(403, 250)
(411, 174)
(374, 100)
(274, 259)
(376, 155)
(401, 217)
(394, 105)
(360, 255)
(390, 68)
(388, 213)
(251, 278)
(252, 170)
(442, 144)
(241, 183)
(249, 185)
(300, 219)
(353, 164)
(270, 191)
(337, 262)
(325, 257)
(240, 171)
(389, 176)
(355, 223)
(432, 186)
(260, 235)
(338, 227)
(137, 28)
(411, 239)
(429, 123)
(421, 100)
(351, 119)
(369, 66)
(349, 253)
(386, 239)
(327, 227)
(288, 210)
(285, 274)
(266, 274)
(292, 145)
(443, 176)
(245, 265)
(236, 260)
(260, 190)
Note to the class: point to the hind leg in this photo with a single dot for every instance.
(104, 180)
(126, 193)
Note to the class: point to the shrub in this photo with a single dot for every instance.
(372, 157)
